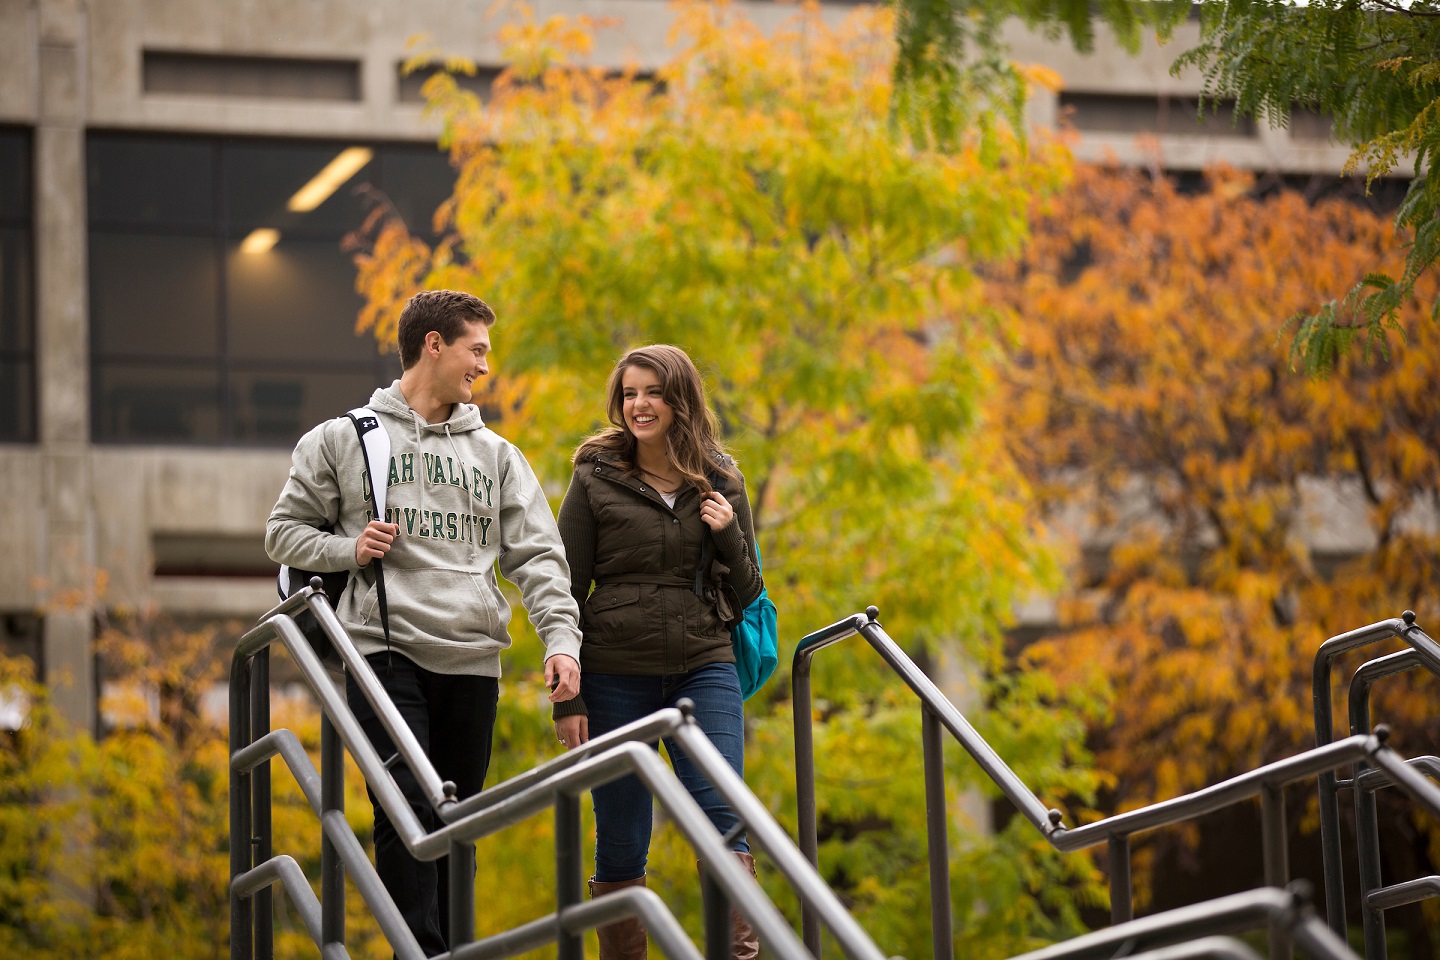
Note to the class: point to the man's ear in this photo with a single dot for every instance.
(433, 341)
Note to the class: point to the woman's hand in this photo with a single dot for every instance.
(572, 731)
(716, 511)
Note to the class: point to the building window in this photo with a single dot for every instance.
(212, 75)
(1176, 116)
(1311, 125)
(408, 84)
(222, 307)
(17, 289)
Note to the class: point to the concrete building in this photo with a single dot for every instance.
(158, 269)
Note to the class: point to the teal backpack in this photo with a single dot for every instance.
(756, 639)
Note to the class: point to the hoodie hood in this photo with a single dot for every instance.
(464, 417)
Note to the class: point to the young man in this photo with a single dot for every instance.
(459, 498)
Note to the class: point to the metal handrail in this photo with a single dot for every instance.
(1213, 948)
(939, 714)
(1328, 785)
(1374, 780)
(1283, 911)
(574, 920)
(556, 783)
(1374, 899)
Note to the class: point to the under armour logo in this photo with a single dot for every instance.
(368, 423)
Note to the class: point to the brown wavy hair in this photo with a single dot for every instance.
(692, 444)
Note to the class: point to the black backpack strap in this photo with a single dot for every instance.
(364, 425)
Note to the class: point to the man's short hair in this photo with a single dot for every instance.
(447, 312)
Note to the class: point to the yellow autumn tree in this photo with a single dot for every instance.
(1233, 514)
(754, 203)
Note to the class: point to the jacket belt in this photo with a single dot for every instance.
(655, 579)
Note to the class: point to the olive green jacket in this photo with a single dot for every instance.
(643, 616)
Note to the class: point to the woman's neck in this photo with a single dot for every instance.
(655, 463)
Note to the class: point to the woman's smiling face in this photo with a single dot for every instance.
(647, 416)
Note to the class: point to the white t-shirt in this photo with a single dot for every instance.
(669, 498)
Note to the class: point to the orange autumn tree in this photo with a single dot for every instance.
(1153, 408)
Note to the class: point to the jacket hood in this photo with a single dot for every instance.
(390, 400)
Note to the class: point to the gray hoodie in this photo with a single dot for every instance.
(464, 498)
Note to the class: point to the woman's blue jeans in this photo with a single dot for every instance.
(623, 808)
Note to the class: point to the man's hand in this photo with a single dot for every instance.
(374, 541)
(572, 731)
(562, 677)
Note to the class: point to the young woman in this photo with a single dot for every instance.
(647, 496)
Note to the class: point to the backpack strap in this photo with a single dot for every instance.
(375, 449)
(707, 545)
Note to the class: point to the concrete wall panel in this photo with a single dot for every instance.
(23, 559)
(19, 55)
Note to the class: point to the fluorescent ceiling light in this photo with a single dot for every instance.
(260, 241)
(345, 165)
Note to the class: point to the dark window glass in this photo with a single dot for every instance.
(132, 182)
(274, 405)
(16, 279)
(408, 85)
(17, 289)
(1128, 113)
(157, 403)
(1307, 124)
(17, 399)
(261, 180)
(14, 176)
(208, 75)
(416, 181)
(154, 296)
(230, 317)
(297, 301)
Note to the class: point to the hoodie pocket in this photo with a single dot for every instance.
(441, 604)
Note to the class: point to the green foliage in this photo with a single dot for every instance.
(952, 64)
(1370, 64)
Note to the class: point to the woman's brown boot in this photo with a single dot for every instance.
(623, 939)
(744, 941)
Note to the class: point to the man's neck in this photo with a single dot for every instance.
(422, 399)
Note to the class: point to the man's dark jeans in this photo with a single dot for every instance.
(453, 717)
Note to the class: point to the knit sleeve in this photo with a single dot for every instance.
(577, 532)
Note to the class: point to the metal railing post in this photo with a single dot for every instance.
(1367, 820)
(1428, 652)
(938, 836)
(716, 910)
(569, 872)
(261, 811)
(460, 864)
(805, 815)
(242, 922)
(1367, 848)
(1122, 897)
(332, 869)
(1277, 858)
